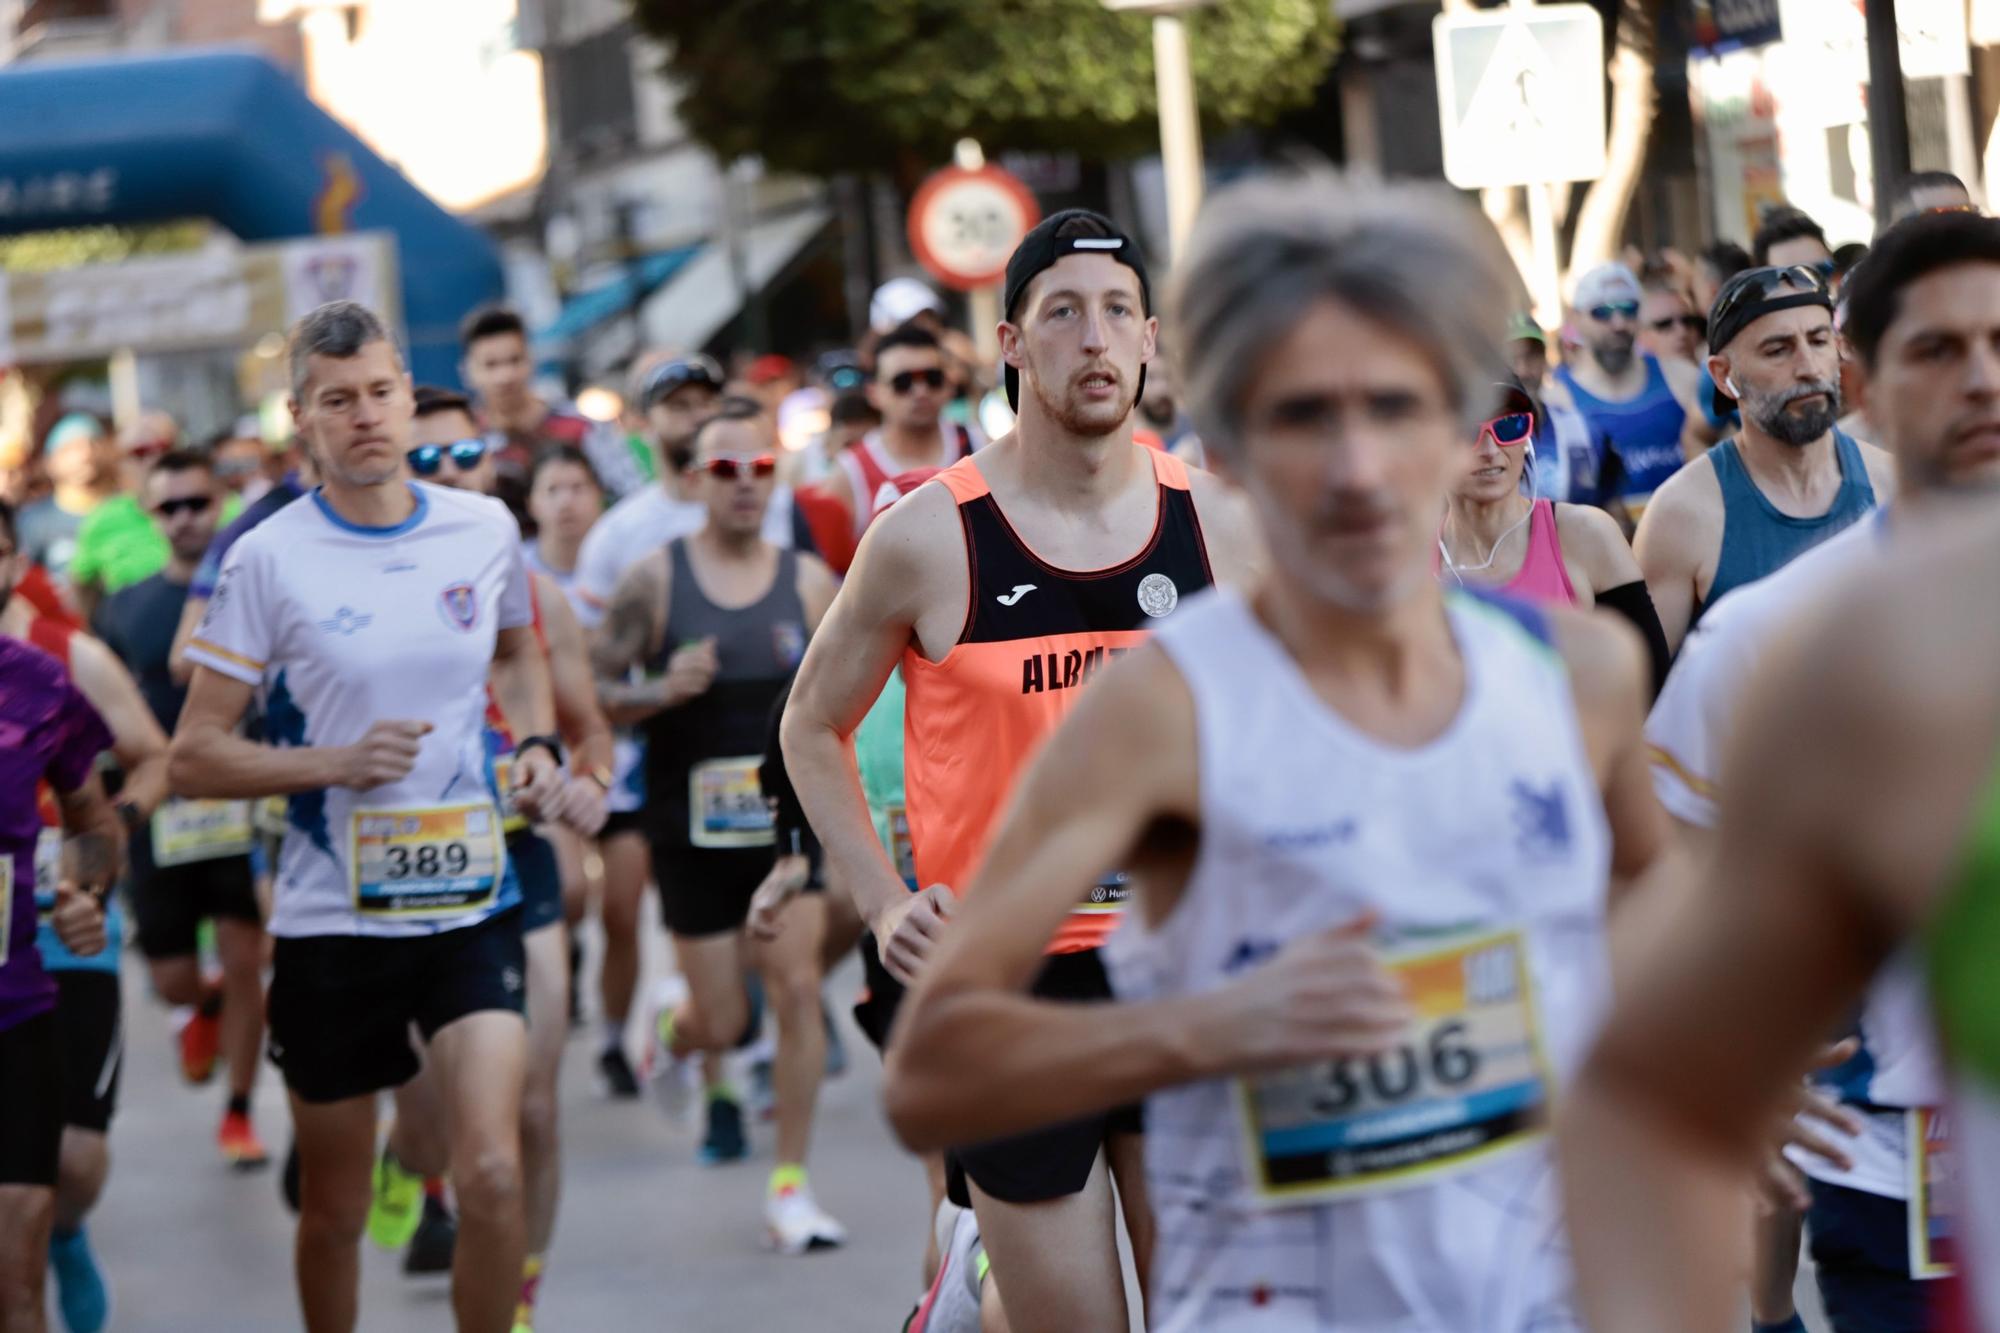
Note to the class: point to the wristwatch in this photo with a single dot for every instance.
(549, 743)
(129, 816)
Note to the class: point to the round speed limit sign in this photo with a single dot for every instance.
(965, 224)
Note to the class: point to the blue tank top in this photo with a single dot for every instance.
(1757, 538)
(1644, 431)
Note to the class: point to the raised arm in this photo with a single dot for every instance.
(974, 1057)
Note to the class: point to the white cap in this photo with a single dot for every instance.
(1604, 284)
(900, 300)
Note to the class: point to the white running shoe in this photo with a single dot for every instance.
(794, 1223)
(673, 1079)
(952, 1303)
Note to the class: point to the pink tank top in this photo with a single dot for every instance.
(1543, 578)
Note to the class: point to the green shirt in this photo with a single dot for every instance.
(878, 754)
(118, 545)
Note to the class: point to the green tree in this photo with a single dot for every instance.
(826, 86)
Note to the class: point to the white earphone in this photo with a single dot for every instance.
(1729, 383)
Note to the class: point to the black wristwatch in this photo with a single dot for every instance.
(549, 743)
(129, 816)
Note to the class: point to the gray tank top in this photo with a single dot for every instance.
(1757, 538)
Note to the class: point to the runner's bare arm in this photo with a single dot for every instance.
(907, 555)
(521, 683)
(1669, 544)
(1593, 542)
(207, 757)
(1789, 921)
(1229, 530)
(178, 665)
(578, 717)
(1611, 680)
(817, 586)
(137, 741)
(1881, 466)
(627, 638)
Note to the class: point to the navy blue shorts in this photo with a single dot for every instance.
(540, 877)
(1861, 1248)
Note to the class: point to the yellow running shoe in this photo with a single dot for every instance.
(398, 1205)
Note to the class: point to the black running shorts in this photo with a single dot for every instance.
(93, 1043)
(534, 860)
(1051, 1163)
(169, 902)
(31, 1122)
(341, 1006)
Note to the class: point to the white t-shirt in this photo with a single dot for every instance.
(342, 626)
(641, 524)
(1687, 735)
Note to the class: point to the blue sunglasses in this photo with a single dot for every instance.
(426, 459)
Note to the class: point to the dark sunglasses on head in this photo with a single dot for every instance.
(729, 469)
(1693, 323)
(904, 381)
(192, 504)
(1763, 284)
(1603, 313)
(426, 459)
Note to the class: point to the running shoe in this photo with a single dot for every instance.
(397, 1208)
(794, 1222)
(614, 1073)
(237, 1139)
(531, 1282)
(952, 1303)
(81, 1293)
(201, 1043)
(724, 1141)
(436, 1240)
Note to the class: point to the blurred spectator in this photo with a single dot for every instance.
(1668, 324)
(850, 418)
(1929, 192)
(1160, 413)
(900, 300)
(1788, 236)
(564, 500)
(119, 544)
(675, 399)
(910, 389)
(1844, 260)
(1717, 264)
(237, 457)
(770, 379)
(82, 466)
(519, 424)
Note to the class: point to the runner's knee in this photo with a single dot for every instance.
(489, 1184)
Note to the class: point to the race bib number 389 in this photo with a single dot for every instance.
(1469, 1081)
(443, 861)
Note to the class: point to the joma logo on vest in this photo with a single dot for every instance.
(1064, 671)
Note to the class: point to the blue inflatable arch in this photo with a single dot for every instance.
(227, 135)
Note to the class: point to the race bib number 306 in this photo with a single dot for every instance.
(1469, 1081)
(443, 861)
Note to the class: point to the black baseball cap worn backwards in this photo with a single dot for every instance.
(1041, 248)
(1754, 293)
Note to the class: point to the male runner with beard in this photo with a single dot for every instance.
(1789, 480)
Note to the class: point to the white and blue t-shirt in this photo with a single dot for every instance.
(342, 626)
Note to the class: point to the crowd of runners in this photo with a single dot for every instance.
(1385, 940)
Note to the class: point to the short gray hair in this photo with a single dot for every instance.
(1417, 258)
(338, 329)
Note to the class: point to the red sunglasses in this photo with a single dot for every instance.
(729, 469)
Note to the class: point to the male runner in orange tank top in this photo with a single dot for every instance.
(1000, 588)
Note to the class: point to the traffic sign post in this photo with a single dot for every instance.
(965, 223)
(1521, 102)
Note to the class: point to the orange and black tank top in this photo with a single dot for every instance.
(1034, 635)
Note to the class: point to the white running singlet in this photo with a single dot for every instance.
(340, 627)
(1414, 1192)
(1687, 734)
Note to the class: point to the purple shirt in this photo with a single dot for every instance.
(47, 730)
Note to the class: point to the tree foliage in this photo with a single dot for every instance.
(824, 86)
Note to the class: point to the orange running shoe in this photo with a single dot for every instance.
(239, 1143)
(201, 1043)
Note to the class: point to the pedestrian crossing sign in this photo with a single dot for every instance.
(1521, 95)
